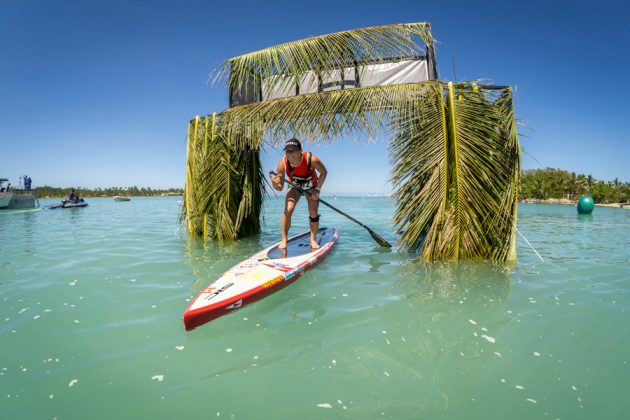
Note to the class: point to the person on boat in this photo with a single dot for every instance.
(73, 196)
(308, 172)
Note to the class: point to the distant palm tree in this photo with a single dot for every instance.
(590, 183)
(580, 182)
(616, 187)
(540, 188)
(615, 183)
(576, 184)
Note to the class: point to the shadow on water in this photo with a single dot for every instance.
(379, 258)
(29, 232)
(585, 218)
(420, 349)
(20, 223)
(210, 259)
(392, 335)
(450, 318)
(465, 283)
(76, 215)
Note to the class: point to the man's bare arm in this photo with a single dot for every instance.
(278, 180)
(321, 169)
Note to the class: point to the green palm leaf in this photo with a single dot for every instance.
(225, 195)
(483, 140)
(417, 153)
(456, 168)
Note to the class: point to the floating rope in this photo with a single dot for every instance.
(530, 245)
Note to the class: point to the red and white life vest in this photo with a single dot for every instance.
(303, 175)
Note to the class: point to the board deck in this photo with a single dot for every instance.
(258, 276)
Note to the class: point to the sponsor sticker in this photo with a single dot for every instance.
(235, 305)
(216, 292)
(273, 282)
(280, 267)
(242, 269)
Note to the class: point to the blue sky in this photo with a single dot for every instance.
(99, 93)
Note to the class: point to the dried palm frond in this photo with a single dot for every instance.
(326, 116)
(225, 195)
(325, 53)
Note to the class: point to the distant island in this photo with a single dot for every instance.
(55, 192)
(560, 186)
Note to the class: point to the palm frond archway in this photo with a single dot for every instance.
(454, 147)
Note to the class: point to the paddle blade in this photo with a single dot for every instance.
(378, 239)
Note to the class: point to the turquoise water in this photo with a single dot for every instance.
(91, 302)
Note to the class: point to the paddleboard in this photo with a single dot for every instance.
(258, 276)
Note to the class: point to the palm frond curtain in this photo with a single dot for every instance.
(224, 188)
(456, 171)
(454, 148)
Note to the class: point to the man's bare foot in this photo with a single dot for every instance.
(283, 245)
(314, 245)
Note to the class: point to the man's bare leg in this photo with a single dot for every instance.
(293, 196)
(313, 206)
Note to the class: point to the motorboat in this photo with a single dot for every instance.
(121, 198)
(17, 198)
(6, 195)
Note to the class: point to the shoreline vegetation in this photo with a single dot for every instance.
(567, 202)
(45, 192)
(538, 186)
(557, 186)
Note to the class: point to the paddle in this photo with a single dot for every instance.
(374, 235)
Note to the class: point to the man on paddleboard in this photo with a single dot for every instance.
(308, 172)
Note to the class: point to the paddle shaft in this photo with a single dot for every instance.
(374, 235)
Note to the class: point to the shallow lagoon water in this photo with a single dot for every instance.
(91, 302)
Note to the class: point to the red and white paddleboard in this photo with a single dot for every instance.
(258, 276)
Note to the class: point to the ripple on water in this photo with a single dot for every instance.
(94, 298)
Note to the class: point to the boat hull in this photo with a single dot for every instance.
(66, 205)
(74, 205)
(5, 199)
(18, 199)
